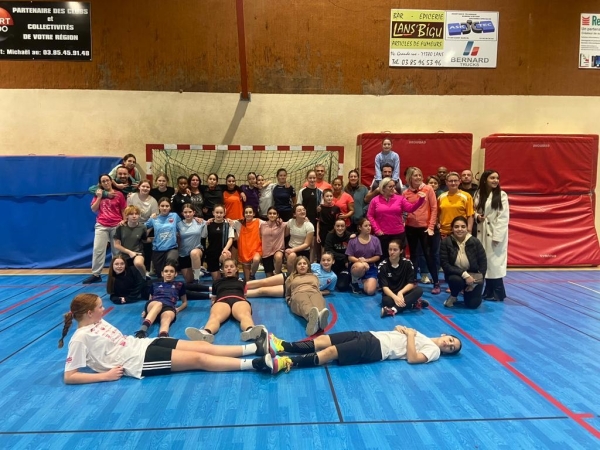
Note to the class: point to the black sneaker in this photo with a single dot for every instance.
(262, 343)
(92, 279)
(141, 334)
(264, 363)
(355, 288)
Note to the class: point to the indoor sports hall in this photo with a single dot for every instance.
(230, 87)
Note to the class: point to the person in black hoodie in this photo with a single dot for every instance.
(125, 283)
(336, 243)
(464, 263)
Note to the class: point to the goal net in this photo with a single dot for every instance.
(176, 160)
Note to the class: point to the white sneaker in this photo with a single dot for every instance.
(196, 334)
(313, 321)
(323, 319)
(252, 333)
(261, 267)
(425, 279)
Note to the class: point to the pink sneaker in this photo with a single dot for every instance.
(436, 289)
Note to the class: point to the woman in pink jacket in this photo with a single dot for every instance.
(386, 214)
(420, 224)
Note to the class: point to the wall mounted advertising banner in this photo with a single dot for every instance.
(45, 31)
(589, 41)
(466, 39)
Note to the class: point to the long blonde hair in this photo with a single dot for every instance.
(295, 271)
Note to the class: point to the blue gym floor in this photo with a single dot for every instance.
(527, 377)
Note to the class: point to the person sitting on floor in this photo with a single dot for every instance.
(229, 300)
(398, 283)
(162, 305)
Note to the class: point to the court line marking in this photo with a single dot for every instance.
(589, 289)
(27, 300)
(506, 360)
(285, 424)
(335, 399)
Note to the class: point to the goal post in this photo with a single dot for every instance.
(184, 159)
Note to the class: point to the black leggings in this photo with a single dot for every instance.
(410, 298)
(416, 236)
(457, 284)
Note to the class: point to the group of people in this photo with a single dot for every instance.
(329, 237)
(265, 223)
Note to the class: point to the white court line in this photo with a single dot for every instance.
(589, 289)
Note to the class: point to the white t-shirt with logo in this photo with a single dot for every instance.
(394, 343)
(101, 347)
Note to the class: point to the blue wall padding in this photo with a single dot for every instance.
(45, 215)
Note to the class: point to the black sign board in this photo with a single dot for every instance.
(45, 30)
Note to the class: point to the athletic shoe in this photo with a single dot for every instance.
(355, 288)
(262, 343)
(313, 321)
(323, 318)
(281, 363)
(436, 289)
(196, 334)
(252, 333)
(141, 334)
(448, 290)
(261, 267)
(263, 363)
(92, 279)
(387, 312)
(449, 303)
(425, 279)
(420, 304)
(204, 272)
(275, 345)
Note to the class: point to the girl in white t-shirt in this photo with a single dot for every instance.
(301, 233)
(363, 347)
(104, 349)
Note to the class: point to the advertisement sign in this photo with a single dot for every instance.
(589, 41)
(45, 31)
(435, 38)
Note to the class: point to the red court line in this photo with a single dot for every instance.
(33, 297)
(506, 360)
(334, 317)
(107, 310)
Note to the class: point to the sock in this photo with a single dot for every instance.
(246, 364)
(249, 349)
(145, 325)
(299, 347)
(308, 360)
(163, 334)
(249, 328)
(197, 273)
(208, 331)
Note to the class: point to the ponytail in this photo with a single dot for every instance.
(67, 325)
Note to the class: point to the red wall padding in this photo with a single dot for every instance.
(543, 164)
(552, 230)
(427, 151)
